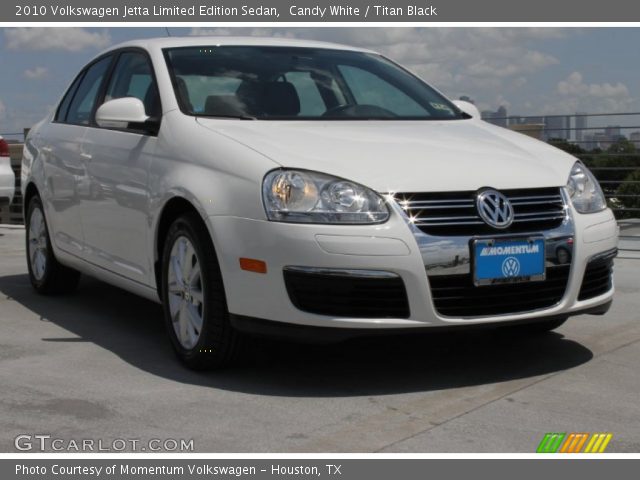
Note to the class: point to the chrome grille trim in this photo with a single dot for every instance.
(455, 213)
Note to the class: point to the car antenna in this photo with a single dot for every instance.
(168, 32)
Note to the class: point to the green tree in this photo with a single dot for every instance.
(628, 196)
(562, 144)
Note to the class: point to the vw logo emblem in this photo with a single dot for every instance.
(494, 208)
(510, 267)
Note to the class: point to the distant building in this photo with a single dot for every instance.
(557, 127)
(589, 141)
(613, 131)
(531, 120)
(581, 121)
(499, 117)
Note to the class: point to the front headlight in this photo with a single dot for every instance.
(584, 190)
(311, 197)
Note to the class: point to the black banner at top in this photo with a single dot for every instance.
(278, 11)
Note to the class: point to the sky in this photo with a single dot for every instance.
(531, 71)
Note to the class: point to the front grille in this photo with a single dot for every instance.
(345, 295)
(457, 296)
(597, 278)
(455, 213)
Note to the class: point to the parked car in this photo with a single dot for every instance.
(305, 190)
(7, 177)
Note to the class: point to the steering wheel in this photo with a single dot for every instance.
(337, 109)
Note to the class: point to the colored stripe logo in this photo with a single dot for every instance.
(574, 442)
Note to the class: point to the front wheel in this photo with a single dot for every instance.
(46, 274)
(194, 302)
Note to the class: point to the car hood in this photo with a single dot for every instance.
(405, 155)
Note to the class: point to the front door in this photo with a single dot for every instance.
(115, 216)
(64, 159)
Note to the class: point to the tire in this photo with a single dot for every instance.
(193, 298)
(536, 328)
(47, 275)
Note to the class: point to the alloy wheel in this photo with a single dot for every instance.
(185, 292)
(38, 244)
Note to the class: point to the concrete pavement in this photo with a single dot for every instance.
(97, 365)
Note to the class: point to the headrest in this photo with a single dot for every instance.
(269, 98)
(280, 98)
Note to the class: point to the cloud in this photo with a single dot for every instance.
(520, 82)
(64, 39)
(574, 94)
(13, 119)
(574, 85)
(36, 73)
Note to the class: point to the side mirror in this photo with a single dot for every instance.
(126, 112)
(468, 108)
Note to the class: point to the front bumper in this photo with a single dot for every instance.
(390, 247)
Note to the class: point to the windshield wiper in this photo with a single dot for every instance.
(240, 117)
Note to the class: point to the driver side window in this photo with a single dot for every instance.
(85, 95)
(133, 77)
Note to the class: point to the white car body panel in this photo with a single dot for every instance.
(217, 165)
(495, 156)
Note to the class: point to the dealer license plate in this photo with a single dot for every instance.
(510, 260)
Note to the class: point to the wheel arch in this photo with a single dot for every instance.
(30, 191)
(173, 208)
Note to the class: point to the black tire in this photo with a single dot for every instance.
(218, 344)
(57, 278)
(536, 328)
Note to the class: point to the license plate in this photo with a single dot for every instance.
(508, 260)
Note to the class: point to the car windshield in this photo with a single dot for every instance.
(287, 83)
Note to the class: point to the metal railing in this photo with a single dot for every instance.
(608, 143)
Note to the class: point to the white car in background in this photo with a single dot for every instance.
(306, 190)
(7, 177)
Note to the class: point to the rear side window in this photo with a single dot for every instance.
(84, 99)
(133, 77)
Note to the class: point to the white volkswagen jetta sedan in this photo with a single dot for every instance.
(305, 190)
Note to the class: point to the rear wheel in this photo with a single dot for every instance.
(194, 301)
(46, 274)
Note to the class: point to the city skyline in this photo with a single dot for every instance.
(575, 128)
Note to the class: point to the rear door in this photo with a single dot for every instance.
(115, 216)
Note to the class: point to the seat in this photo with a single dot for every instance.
(269, 98)
(280, 99)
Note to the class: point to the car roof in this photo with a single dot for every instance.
(201, 40)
